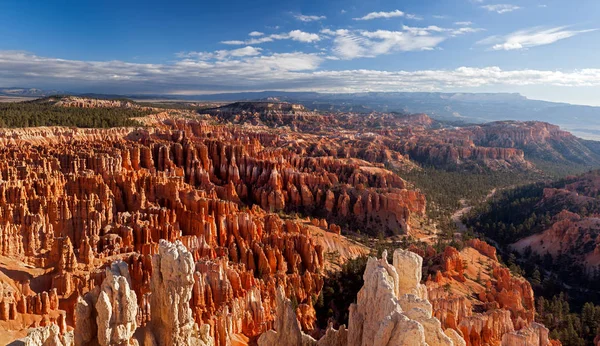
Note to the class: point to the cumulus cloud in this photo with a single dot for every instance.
(305, 18)
(386, 15)
(295, 35)
(501, 8)
(465, 23)
(532, 37)
(255, 34)
(302, 36)
(284, 71)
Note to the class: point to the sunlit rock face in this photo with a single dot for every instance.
(172, 283)
(107, 315)
(507, 301)
(392, 309)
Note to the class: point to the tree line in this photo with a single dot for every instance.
(33, 113)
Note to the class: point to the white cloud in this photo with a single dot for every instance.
(302, 36)
(246, 51)
(351, 44)
(235, 42)
(222, 54)
(257, 40)
(464, 30)
(465, 23)
(295, 35)
(436, 29)
(532, 37)
(413, 17)
(501, 8)
(285, 71)
(255, 34)
(384, 41)
(387, 15)
(304, 18)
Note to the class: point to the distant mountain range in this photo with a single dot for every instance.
(28, 92)
(583, 121)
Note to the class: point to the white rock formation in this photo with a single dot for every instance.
(48, 336)
(334, 337)
(107, 314)
(392, 306)
(455, 337)
(287, 329)
(172, 322)
(408, 265)
(534, 335)
(377, 318)
(86, 329)
(116, 307)
(391, 310)
(113, 307)
(202, 337)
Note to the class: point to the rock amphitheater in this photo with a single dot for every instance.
(195, 232)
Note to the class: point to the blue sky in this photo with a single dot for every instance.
(545, 49)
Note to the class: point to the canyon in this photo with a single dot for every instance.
(219, 227)
(572, 226)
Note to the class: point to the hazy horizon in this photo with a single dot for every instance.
(209, 93)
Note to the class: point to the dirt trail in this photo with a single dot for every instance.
(456, 217)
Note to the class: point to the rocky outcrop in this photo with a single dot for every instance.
(287, 329)
(48, 336)
(535, 334)
(568, 234)
(108, 314)
(263, 113)
(391, 309)
(483, 248)
(172, 283)
(507, 302)
(116, 307)
(453, 263)
(83, 102)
